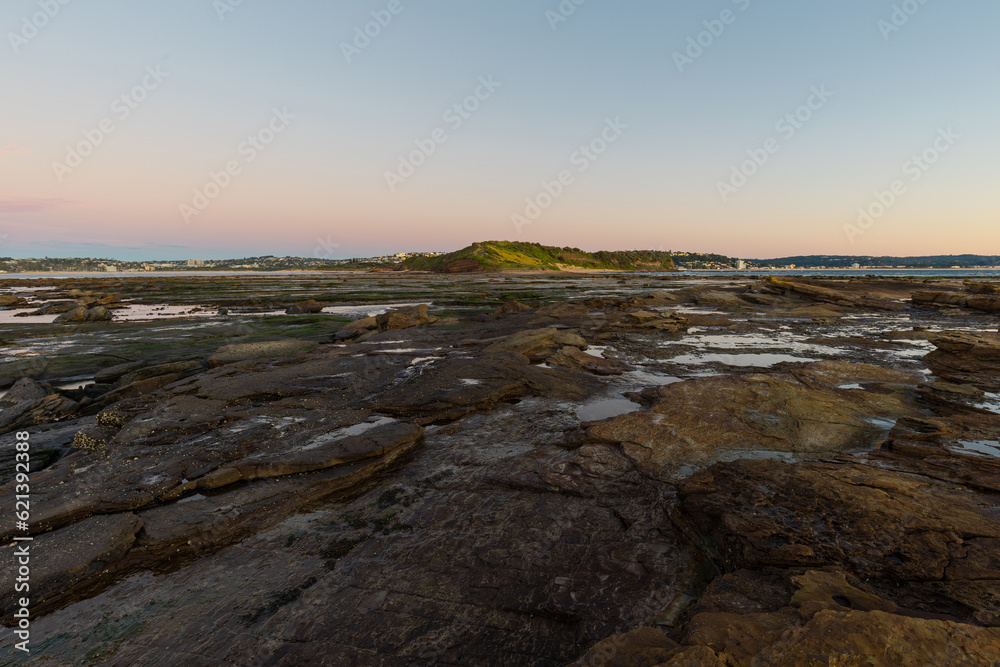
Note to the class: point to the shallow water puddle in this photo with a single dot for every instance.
(349, 431)
(691, 310)
(646, 377)
(992, 404)
(78, 383)
(885, 424)
(760, 360)
(606, 409)
(916, 353)
(981, 447)
(784, 342)
(144, 313)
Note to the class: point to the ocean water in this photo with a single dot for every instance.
(835, 273)
(851, 273)
(167, 274)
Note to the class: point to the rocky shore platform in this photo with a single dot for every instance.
(592, 470)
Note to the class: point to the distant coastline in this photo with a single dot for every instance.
(500, 257)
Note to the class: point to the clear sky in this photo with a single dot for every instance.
(116, 114)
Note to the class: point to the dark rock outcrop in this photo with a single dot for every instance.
(967, 358)
(309, 306)
(83, 314)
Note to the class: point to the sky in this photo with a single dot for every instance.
(233, 128)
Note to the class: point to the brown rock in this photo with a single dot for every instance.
(645, 647)
(56, 308)
(418, 313)
(28, 403)
(9, 300)
(304, 307)
(721, 300)
(84, 314)
(356, 328)
(953, 299)
(701, 421)
(394, 321)
(511, 307)
(697, 656)
(880, 639)
(272, 349)
(338, 451)
(883, 526)
(405, 318)
(535, 344)
(179, 367)
(113, 373)
(986, 304)
(574, 357)
(825, 618)
(967, 358)
(64, 557)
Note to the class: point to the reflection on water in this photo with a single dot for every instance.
(145, 313)
(787, 342)
(349, 431)
(763, 360)
(991, 404)
(606, 409)
(989, 448)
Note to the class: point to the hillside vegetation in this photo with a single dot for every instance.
(518, 256)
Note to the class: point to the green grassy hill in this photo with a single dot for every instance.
(518, 256)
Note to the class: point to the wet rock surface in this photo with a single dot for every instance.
(308, 306)
(802, 413)
(657, 472)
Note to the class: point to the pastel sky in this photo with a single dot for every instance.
(115, 115)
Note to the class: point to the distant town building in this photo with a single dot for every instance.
(196, 262)
(110, 268)
(855, 266)
(741, 265)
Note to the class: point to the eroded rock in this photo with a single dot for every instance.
(62, 558)
(84, 314)
(310, 306)
(698, 422)
(967, 358)
(274, 349)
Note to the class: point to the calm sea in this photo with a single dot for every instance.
(848, 273)
(166, 274)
